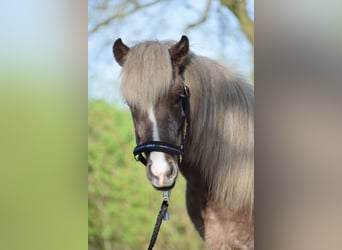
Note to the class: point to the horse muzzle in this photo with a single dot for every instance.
(162, 170)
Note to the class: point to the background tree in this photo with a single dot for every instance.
(121, 9)
(219, 29)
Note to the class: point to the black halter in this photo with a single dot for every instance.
(165, 147)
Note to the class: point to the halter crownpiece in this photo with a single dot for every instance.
(165, 147)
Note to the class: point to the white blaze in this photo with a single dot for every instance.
(159, 165)
(154, 124)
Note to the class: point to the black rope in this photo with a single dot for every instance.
(161, 215)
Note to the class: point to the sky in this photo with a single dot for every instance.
(167, 21)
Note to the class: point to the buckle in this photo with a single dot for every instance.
(186, 90)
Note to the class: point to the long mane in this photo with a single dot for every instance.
(220, 140)
(222, 131)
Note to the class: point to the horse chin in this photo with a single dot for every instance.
(165, 188)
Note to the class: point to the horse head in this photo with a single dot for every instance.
(154, 89)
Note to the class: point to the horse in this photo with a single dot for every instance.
(197, 118)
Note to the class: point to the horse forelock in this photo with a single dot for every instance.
(147, 74)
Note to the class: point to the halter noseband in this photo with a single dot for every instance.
(165, 147)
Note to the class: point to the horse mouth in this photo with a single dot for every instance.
(165, 188)
(166, 185)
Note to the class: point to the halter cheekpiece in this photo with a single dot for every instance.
(165, 147)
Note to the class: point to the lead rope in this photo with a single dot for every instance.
(162, 215)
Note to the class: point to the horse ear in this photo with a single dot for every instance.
(180, 50)
(120, 50)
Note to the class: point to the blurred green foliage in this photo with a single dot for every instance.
(122, 205)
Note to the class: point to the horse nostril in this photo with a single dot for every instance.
(172, 169)
(170, 172)
(149, 170)
(149, 165)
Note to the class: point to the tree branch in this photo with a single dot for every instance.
(202, 19)
(121, 15)
(238, 8)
